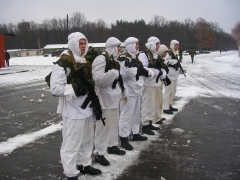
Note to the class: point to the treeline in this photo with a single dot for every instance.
(200, 34)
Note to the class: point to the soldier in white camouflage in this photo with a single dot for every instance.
(77, 131)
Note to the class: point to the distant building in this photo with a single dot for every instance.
(52, 48)
(13, 52)
(100, 47)
(48, 49)
(30, 52)
(24, 52)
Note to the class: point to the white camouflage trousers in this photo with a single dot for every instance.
(159, 105)
(106, 136)
(77, 145)
(149, 104)
(130, 116)
(169, 94)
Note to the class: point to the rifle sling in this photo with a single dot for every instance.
(86, 101)
(88, 98)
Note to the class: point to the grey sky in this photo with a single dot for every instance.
(225, 12)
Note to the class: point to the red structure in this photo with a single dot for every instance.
(2, 53)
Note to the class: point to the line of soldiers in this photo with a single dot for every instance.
(128, 95)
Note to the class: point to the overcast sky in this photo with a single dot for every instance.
(225, 12)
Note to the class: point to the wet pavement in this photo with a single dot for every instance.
(211, 124)
(213, 127)
(37, 160)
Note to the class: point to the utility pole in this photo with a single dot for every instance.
(67, 26)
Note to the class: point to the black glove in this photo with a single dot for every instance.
(166, 81)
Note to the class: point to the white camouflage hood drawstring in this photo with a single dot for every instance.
(73, 45)
(130, 44)
(111, 47)
(151, 45)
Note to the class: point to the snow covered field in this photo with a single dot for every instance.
(215, 68)
(211, 75)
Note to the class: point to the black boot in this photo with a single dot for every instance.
(72, 178)
(160, 121)
(146, 130)
(151, 127)
(102, 160)
(138, 137)
(168, 111)
(125, 144)
(88, 170)
(172, 108)
(115, 150)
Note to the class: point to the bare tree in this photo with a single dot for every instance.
(188, 34)
(23, 31)
(77, 21)
(205, 34)
(39, 45)
(54, 31)
(236, 34)
(100, 30)
(158, 21)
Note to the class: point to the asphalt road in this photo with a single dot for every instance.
(211, 124)
(38, 160)
(213, 127)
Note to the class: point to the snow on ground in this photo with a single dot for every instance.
(211, 75)
(26, 69)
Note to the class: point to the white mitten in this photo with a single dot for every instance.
(163, 76)
(114, 73)
(150, 73)
(131, 72)
(173, 61)
(69, 92)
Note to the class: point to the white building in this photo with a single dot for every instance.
(100, 47)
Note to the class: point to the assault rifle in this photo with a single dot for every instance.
(119, 79)
(156, 66)
(141, 71)
(95, 104)
(166, 81)
(180, 66)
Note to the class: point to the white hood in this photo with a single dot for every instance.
(172, 43)
(162, 49)
(73, 45)
(130, 44)
(111, 47)
(151, 44)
